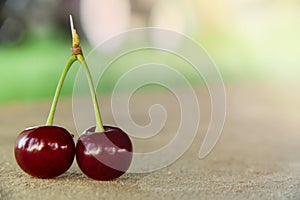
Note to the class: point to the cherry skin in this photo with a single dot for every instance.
(104, 155)
(45, 151)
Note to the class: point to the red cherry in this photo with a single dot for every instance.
(45, 151)
(104, 155)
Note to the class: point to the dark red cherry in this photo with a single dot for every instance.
(104, 155)
(45, 151)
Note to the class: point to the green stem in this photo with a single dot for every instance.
(99, 125)
(58, 89)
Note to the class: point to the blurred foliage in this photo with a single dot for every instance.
(252, 46)
(32, 68)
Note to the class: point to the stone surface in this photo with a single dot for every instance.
(257, 156)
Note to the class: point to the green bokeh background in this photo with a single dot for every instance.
(269, 51)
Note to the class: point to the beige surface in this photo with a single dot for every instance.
(257, 156)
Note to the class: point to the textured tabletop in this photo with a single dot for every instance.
(257, 156)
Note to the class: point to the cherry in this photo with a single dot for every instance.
(102, 152)
(45, 151)
(104, 155)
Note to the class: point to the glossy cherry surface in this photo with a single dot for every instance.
(45, 151)
(104, 155)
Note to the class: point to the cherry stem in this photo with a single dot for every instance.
(99, 125)
(76, 55)
(58, 90)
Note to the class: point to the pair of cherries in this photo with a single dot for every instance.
(102, 152)
(48, 151)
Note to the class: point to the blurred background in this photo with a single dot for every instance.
(249, 40)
